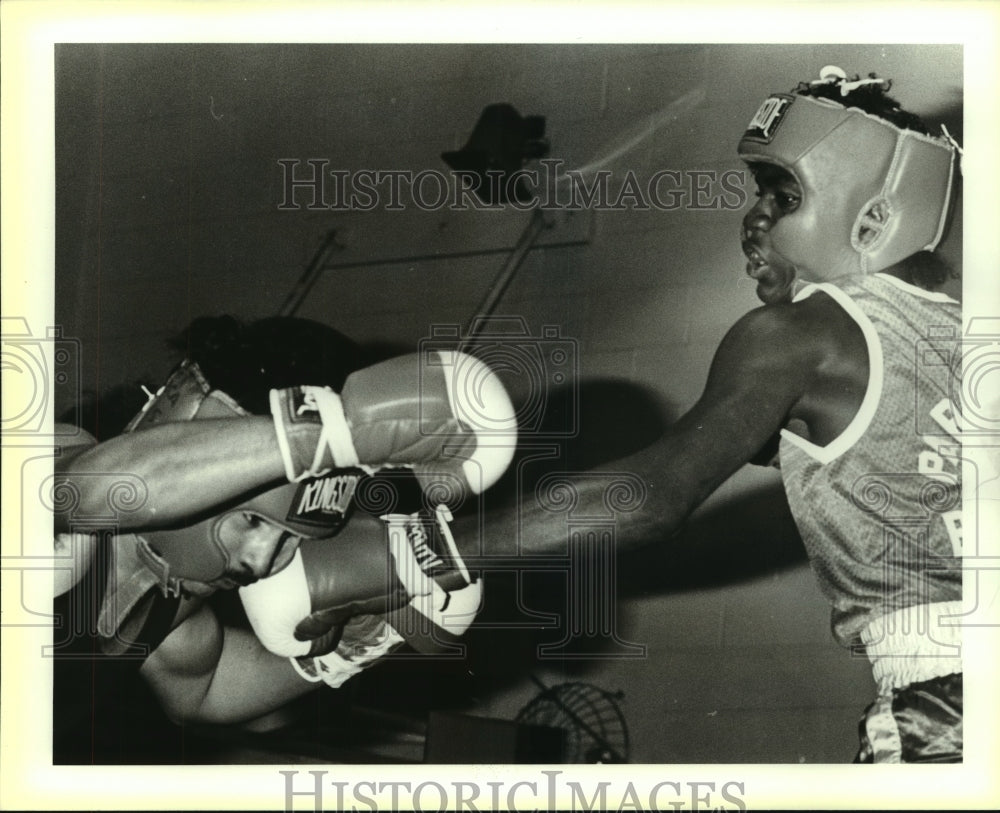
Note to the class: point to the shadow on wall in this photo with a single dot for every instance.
(526, 614)
(740, 539)
(578, 428)
(726, 542)
(106, 415)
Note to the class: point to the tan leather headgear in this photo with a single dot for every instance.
(873, 193)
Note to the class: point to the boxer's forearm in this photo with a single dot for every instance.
(644, 501)
(180, 469)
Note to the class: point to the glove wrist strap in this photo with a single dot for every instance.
(336, 434)
(425, 554)
(298, 412)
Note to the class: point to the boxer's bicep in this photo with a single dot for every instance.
(65, 503)
(204, 672)
(760, 371)
(181, 669)
(179, 469)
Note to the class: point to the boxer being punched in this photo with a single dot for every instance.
(228, 498)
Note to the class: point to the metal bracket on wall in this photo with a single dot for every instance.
(574, 231)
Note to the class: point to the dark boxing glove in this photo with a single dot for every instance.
(441, 413)
(411, 575)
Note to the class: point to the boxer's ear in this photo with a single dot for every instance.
(871, 223)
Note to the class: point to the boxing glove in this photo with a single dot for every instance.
(411, 574)
(444, 414)
(365, 639)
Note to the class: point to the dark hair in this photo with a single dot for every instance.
(872, 98)
(107, 414)
(925, 268)
(247, 361)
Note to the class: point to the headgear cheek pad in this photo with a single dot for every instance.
(315, 508)
(873, 193)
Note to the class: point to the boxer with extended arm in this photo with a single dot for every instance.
(846, 364)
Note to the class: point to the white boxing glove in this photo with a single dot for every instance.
(365, 639)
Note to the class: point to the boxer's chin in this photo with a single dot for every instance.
(775, 286)
(200, 589)
(772, 295)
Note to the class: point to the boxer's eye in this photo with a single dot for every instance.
(788, 201)
(251, 519)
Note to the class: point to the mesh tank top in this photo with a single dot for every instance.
(879, 508)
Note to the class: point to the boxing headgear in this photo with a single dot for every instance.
(315, 508)
(873, 193)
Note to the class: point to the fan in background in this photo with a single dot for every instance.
(594, 725)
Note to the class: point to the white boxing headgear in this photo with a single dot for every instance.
(316, 508)
(873, 193)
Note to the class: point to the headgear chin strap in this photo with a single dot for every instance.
(312, 509)
(873, 193)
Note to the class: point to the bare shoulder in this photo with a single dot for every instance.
(815, 320)
(794, 336)
(811, 356)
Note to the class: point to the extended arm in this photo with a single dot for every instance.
(185, 468)
(761, 370)
(402, 412)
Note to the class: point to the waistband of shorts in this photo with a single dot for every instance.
(914, 644)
